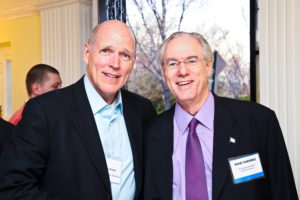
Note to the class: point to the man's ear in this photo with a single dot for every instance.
(86, 53)
(208, 66)
(36, 89)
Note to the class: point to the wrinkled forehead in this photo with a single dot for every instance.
(182, 47)
(114, 34)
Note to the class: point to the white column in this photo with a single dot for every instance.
(279, 41)
(65, 26)
(95, 12)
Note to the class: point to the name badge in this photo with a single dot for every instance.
(114, 170)
(246, 168)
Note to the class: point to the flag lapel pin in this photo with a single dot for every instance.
(232, 140)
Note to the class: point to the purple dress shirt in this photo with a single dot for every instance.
(205, 131)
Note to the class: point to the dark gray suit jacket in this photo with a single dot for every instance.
(6, 129)
(57, 153)
(255, 128)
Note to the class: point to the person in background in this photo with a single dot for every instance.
(208, 147)
(40, 79)
(6, 129)
(84, 141)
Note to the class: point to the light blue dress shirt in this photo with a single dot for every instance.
(114, 138)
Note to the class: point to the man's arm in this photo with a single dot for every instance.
(6, 129)
(150, 112)
(282, 185)
(150, 188)
(25, 158)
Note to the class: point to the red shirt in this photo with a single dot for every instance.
(17, 116)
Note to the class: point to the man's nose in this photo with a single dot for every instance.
(115, 60)
(182, 69)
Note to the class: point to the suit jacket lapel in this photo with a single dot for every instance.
(134, 129)
(225, 126)
(86, 127)
(162, 154)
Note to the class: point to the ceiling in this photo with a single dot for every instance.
(12, 9)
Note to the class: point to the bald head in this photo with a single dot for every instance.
(116, 27)
(110, 56)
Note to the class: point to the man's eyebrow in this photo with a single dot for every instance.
(174, 59)
(106, 47)
(191, 57)
(171, 59)
(127, 51)
(111, 47)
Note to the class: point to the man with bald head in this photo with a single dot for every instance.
(85, 141)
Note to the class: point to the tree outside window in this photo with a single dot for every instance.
(225, 24)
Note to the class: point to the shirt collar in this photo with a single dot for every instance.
(205, 115)
(96, 101)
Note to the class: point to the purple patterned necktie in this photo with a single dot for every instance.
(195, 180)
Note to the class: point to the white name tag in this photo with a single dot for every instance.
(114, 170)
(246, 168)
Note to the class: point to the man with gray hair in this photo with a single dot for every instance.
(208, 147)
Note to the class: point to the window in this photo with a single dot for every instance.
(5, 80)
(226, 26)
(8, 99)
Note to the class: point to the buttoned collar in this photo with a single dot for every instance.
(205, 115)
(97, 102)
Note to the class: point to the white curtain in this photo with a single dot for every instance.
(279, 69)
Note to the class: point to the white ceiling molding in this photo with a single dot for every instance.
(13, 9)
(45, 4)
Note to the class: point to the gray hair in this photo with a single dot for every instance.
(206, 49)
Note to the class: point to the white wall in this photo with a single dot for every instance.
(279, 41)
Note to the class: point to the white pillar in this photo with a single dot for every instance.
(279, 42)
(65, 26)
(95, 12)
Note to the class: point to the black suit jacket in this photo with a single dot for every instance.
(56, 152)
(255, 129)
(6, 129)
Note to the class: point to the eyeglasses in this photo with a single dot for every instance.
(190, 62)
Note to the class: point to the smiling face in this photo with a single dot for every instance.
(110, 58)
(189, 84)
